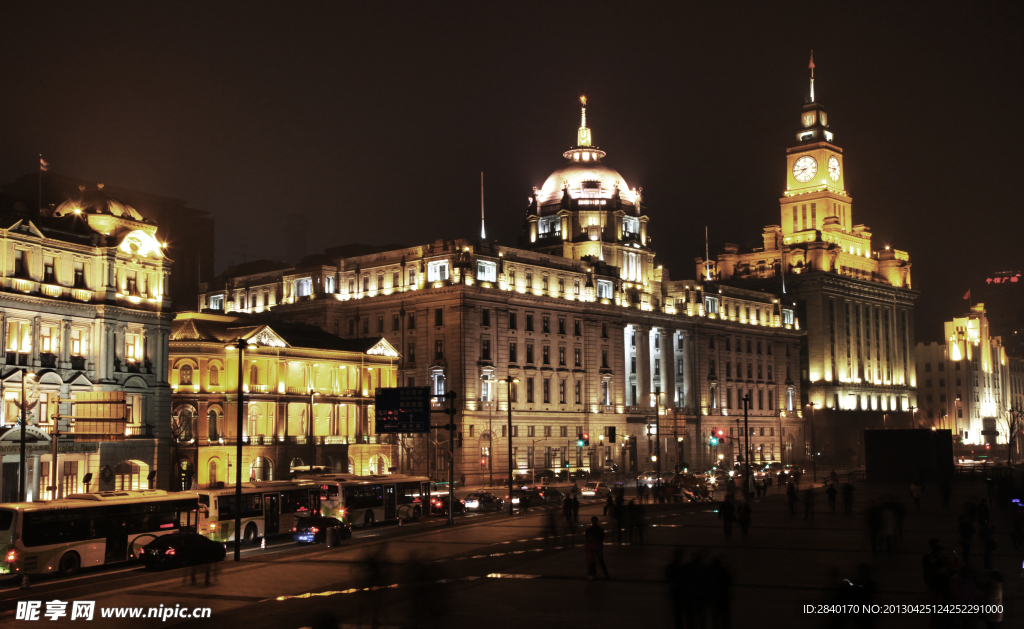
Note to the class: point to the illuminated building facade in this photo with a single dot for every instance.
(600, 339)
(855, 300)
(83, 307)
(308, 398)
(969, 383)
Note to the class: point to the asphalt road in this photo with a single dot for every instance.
(501, 572)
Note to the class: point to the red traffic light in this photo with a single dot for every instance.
(720, 432)
(483, 461)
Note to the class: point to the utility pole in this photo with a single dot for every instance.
(240, 346)
(311, 433)
(450, 427)
(509, 381)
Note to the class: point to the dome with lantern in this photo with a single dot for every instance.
(585, 176)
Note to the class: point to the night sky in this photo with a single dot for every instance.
(375, 121)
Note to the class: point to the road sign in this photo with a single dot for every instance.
(990, 433)
(402, 410)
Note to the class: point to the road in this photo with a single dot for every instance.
(496, 571)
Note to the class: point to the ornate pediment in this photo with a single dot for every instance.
(383, 348)
(267, 338)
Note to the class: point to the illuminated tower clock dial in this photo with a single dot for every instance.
(833, 168)
(804, 169)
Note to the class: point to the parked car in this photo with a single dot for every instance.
(313, 529)
(181, 549)
(550, 494)
(483, 501)
(595, 490)
(439, 505)
(532, 497)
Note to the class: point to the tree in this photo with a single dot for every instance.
(1013, 422)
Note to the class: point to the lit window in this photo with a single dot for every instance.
(604, 289)
(486, 271)
(437, 270)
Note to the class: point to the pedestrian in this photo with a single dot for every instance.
(791, 498)
(567, 508)
(727, 513)
(743, 516)
(966, 530)
(848, 490)
(678, 594)
(575, 509)
(835, 477)
(915, 491)
(640, 492)
(609, 504)
(946, 490)
(593, 549)
(936, 568)
(831, 492)
(983, 513)
(809, 498)
(988, 544)
(619, 515)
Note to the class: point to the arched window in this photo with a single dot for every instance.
(182, 428)
(262, 468)
(254, 375)
(185, 374)
(296, 462)
(212, 480)
(214, 376)
(211, 426)
(127, 475)
(254, 422)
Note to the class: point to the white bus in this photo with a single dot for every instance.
(268, 508)
(84, 530)
(366, 500)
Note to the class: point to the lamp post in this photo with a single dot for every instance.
(746, 447)
(311, 432)
(240, 345)
(509, 381)
(657, 434)
(814, 446)
(24, 420)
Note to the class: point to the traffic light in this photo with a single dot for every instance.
(586, 439)
(611, 434)
(483, 461)
(579, 442)
(720, 432)
(714, 437)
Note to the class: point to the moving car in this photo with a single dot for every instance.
(483, 501)
(181, 549)
(532, 497)
(648, 478)
(550, 494)
(313, 529)
(439, 505)
(595, 490)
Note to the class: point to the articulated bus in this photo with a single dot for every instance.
(366, 500)
(268, 508)
(84, 530)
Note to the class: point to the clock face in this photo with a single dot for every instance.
(804, 169)
(833, 168)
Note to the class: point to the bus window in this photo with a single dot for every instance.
(295, 501)
(363, 497)
(408, 493)
(6, 519)
(204, 500)
(252, 505)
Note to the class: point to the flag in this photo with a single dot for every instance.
(967, 295)
(43, 164)
(811, 66)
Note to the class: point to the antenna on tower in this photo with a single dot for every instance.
(811, 66)
(483, 229)
(707, 255)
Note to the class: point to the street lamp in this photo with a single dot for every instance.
(509, 381)
(657, 432)
(814, 447)
(241, 346)
(24, 420)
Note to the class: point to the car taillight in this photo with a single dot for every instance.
(169, 551)
(294, 528)
(12, 556)
(314, 530)
(213, 526)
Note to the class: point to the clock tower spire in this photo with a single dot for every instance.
(815, 194)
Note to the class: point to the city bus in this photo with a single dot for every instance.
(85, 530)
(366, 500)
(268, 508)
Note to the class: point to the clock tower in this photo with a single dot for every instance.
(815, 175)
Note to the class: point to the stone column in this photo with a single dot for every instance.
(668, 367)
(110, 348)
(643, 366)
(65, 344)
(36, 328)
